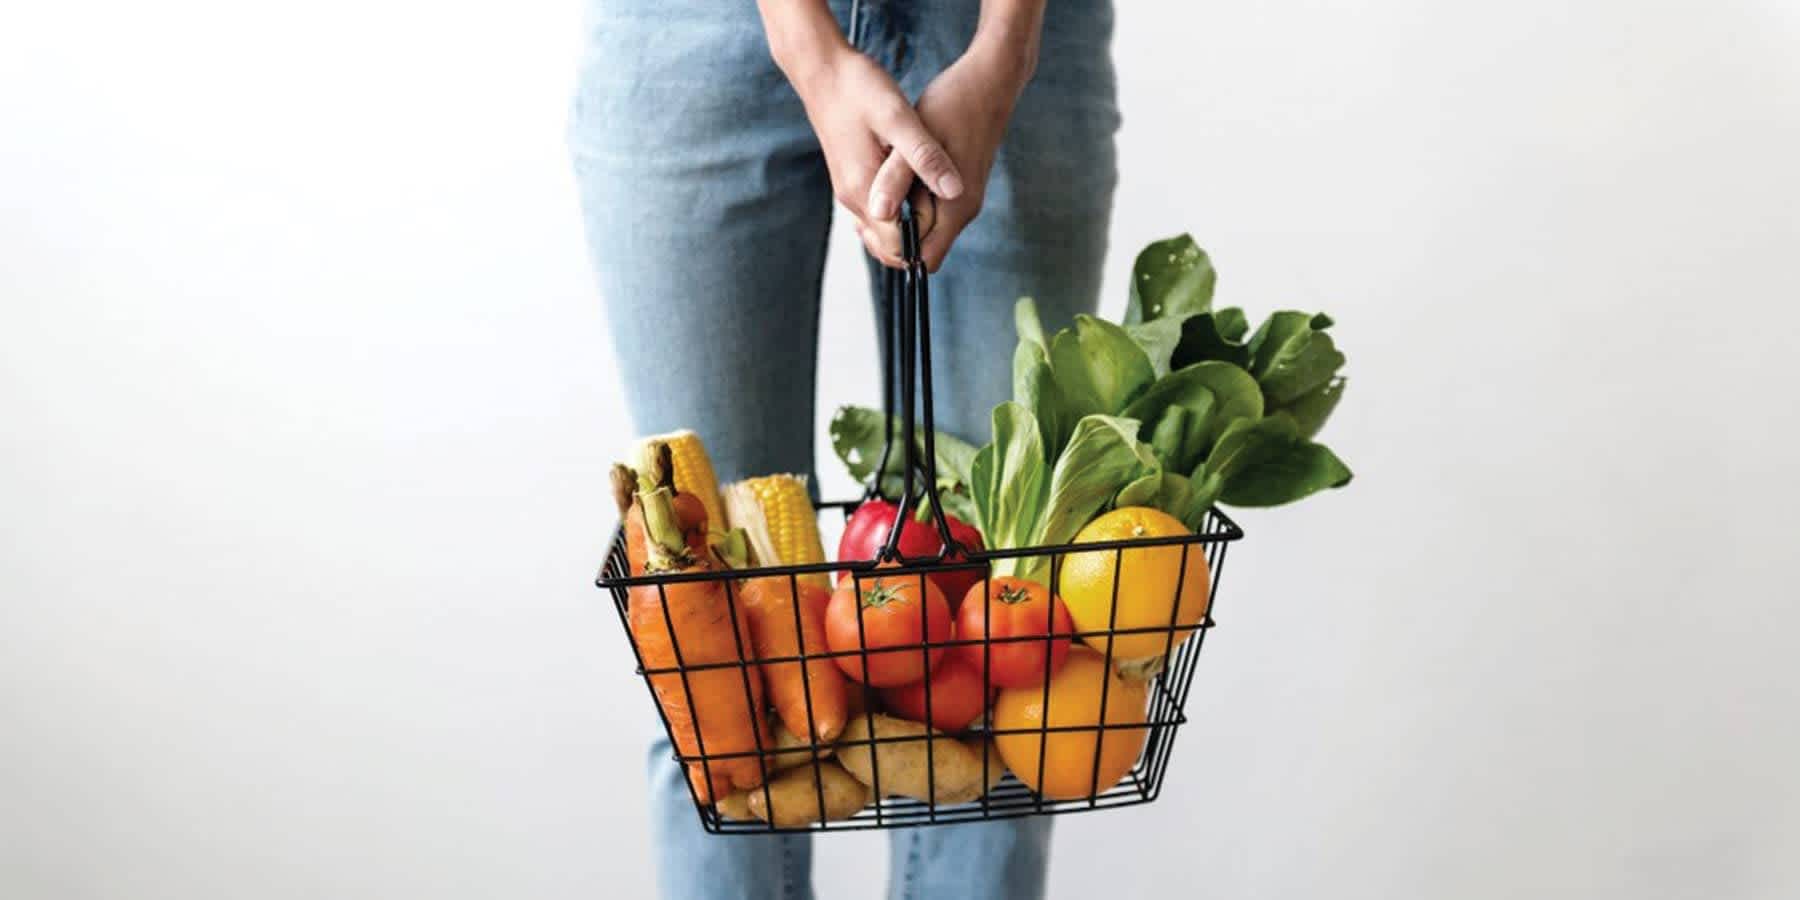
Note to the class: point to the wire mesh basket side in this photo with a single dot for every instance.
(1166, 695)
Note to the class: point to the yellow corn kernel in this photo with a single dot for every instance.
(778, 519)
(693, 472)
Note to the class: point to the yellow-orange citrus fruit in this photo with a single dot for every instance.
(1152, 583)
(1073, 700)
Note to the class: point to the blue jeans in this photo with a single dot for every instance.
(707, 206)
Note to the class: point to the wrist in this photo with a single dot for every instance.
(804, 41)
(1006, 52)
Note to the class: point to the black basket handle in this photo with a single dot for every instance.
(906, 371)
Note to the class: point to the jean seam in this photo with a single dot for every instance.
(787, 868)
(909, 880)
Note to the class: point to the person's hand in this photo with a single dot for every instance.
(969, 105)
(862, 118)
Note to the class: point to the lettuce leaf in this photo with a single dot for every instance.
(1103, 455)
(1172, 277)
(1009, 479)
(1098, 367)
(857, 438)
(1215, 394)
(1035, 387)
(1268, 462)
(1292, 356)
(1158, 339)
(1174, 494)
(1312, 409)
(1217, 336)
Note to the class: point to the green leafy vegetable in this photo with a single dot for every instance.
(1295, 356)
(1214, 393)
(1312, 409)
(1268, 462)
(1159, 339)
(1008, 479)
(1035, 387)
(1179, 428)
(1174, 494)
(1030, 327)
(1103, 454)
(1174, 410)
(1172, 278)
(1215, 336)
(857, 438)
(1098, 366)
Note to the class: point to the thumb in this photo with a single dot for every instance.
(923, 154)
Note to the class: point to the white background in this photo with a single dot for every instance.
(307, 404)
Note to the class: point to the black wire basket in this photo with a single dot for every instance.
(803, 779)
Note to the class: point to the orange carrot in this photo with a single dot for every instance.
(770, 603)
(712, 710)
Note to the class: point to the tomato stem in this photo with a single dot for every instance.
(880, 595)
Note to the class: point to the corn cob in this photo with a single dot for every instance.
(778, 519)
(693, 471)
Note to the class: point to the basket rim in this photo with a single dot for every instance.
(1227, 531)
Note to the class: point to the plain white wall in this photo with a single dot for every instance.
(307, 404)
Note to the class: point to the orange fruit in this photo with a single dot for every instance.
(1151, 583)
(1073, 700)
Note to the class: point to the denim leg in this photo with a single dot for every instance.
(707, 204)
(694, 865)
(1004, 859)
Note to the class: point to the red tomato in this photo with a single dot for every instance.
(1014, 607)
(866, 533)
(895, 613)
(957, 697)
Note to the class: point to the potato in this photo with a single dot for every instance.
(792, 800)
(907, 769)
(790, 749)
(736, 805)
(787, 752)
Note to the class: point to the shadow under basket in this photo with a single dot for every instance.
(1008, 797)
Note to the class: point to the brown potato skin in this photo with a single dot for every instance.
(905, 766)
(789, 751)
(794, 796)
(735, 805)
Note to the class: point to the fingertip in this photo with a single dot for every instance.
(881, 204)
(949, 186)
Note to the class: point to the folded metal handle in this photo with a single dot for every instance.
(906, 372)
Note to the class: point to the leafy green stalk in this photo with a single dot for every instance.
(857, 437)
(1008, 479)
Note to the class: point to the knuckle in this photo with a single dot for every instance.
(930, 158)
(893, 172)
